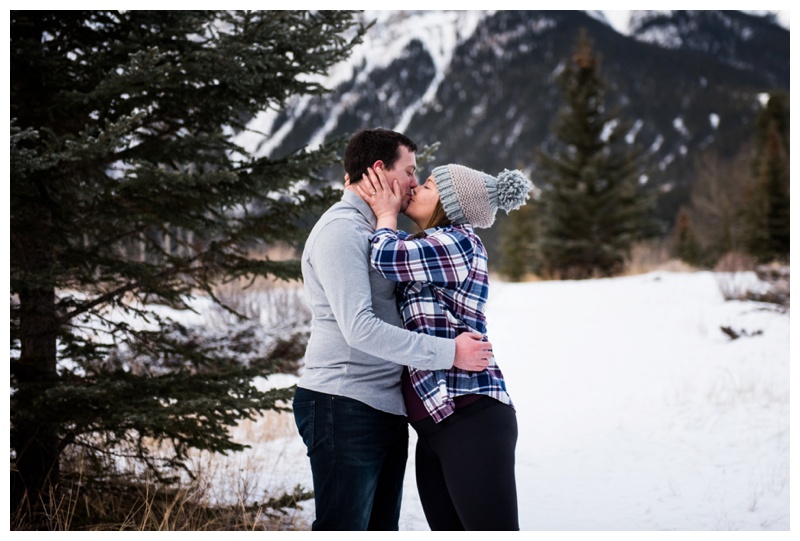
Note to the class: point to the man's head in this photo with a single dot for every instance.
(383, 149)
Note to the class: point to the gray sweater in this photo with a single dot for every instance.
(357, 345)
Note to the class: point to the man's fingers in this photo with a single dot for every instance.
(481, 365)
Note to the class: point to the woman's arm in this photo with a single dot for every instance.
(443, 259)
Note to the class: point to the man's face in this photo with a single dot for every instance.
(404, 170)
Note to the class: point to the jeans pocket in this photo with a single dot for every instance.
(304, 419)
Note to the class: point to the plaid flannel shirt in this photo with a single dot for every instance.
(443, 284)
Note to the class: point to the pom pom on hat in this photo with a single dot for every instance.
(473, 197)
(512, 190)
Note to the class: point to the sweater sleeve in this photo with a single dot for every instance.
(341, 262)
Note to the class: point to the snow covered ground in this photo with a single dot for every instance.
(636, 412)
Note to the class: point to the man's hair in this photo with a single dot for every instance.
(370, 145)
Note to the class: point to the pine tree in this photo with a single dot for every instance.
(766, 210)
(127, 192)
(594, 206)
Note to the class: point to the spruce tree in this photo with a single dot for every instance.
(594, 206)
(766, 209)
(128, 192)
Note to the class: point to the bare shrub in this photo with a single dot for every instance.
(734, 275)
(777, 276)
(716, 197)
(740, 278)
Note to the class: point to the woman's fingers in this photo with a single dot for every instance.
(369, 184)
(379, 192)
(375, 181)
(396, 189)
(364, 195)
(383, 184)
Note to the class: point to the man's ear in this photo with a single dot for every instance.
(378, 165)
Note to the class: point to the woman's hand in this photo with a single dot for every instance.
(385, 201)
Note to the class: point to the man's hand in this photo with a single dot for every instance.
(472, 353)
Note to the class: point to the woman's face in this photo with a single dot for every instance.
(423, 202)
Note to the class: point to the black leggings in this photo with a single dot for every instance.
(465, 469)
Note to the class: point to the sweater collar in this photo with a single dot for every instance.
(361, 206)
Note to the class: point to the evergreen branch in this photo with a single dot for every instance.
(130, 286)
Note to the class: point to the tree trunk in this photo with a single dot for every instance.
(34, 434)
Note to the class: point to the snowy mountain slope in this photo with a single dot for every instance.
(733, 37)
(483, 84)
(439, 32)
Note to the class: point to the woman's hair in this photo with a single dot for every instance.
(438, 219)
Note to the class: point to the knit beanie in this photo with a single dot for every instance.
(473, 197)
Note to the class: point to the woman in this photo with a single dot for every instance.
(465, 421)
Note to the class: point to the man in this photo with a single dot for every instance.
(348, 406)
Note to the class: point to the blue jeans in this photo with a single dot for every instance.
(358, 461)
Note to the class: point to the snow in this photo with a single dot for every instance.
(636, 412)
(619, 20)
(679, 126)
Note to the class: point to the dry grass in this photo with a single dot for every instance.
(123, 506)
(735, 262)
(645, 257)
(653, 255)
(527, 277)
(226, 493)
(147, 507)
(650, 256)
(269, 426)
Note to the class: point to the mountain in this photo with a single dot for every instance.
(483, 84)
